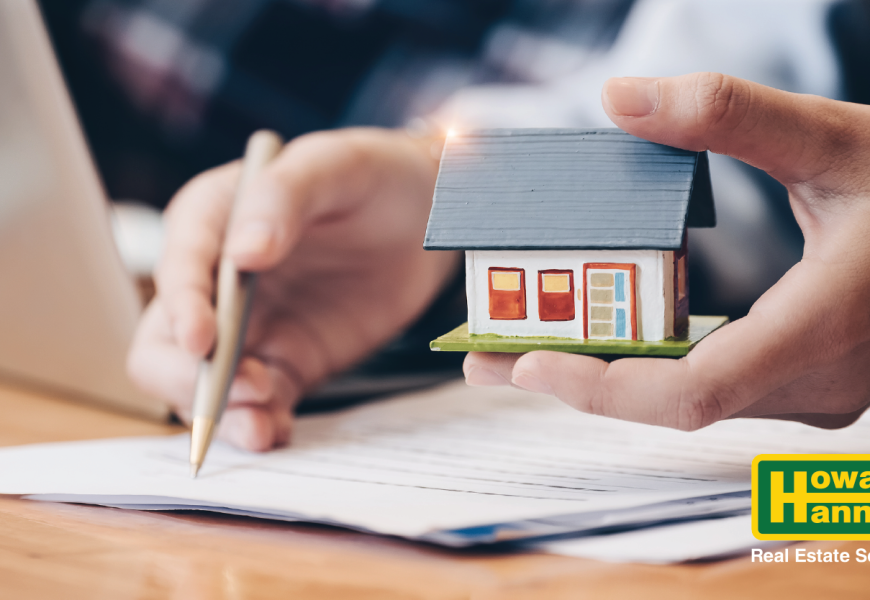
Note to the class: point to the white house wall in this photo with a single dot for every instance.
(651, 278)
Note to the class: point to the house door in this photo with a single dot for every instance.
(609, 303)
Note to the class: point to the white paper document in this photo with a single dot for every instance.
(705, 539)
(454, 465)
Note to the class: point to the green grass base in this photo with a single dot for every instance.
(459, 340)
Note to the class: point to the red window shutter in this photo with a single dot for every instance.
(507, 296)
(556, 305)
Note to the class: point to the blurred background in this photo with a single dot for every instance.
(168, 88)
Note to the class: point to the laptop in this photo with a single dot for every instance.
(68, 307)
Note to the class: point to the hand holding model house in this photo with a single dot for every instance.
(801, 352)
(336, 225)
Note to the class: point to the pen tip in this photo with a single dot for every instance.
(194, 469)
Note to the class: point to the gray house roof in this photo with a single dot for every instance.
(545, 189)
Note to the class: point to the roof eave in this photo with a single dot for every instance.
(431, 246)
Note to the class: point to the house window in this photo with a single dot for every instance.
(506, 281)
(557, 283)
(556, 295)
(507, 294)
(610, 304)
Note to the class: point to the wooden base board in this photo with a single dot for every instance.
(459, 340)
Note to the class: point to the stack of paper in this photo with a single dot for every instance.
(679, 542)
(456, 466)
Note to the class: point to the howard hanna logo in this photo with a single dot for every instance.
(811, 497)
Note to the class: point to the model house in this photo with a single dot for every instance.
(577, 234)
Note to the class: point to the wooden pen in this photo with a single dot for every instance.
(235, 290)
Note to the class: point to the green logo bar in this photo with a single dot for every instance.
(811, 497)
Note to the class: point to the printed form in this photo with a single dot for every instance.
(453, 465)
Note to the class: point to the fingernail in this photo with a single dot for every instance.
(632, 96)
(533, 384)
(254, 237)
(480, 377)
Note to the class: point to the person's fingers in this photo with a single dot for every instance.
(286, 396)
(256, 428)
(156, 364)
(159, 366)
(728, 371)
(195, 224)
(494, 369)
(261, 426)
(252, 383)
(754, 364)
(489, 368)
(248, 427)
(796, 138)
(622, 389)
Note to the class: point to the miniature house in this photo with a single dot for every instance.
(576, 234)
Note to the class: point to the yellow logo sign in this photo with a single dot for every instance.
(811, 496)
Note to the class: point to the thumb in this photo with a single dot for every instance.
(794, 137)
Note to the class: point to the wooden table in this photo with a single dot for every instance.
(62, 551)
